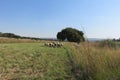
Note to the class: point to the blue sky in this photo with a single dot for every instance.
(44, 18)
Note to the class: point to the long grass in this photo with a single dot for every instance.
(93, 62)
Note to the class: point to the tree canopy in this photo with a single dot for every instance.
(71, 34)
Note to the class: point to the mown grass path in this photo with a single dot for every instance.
(34, 61)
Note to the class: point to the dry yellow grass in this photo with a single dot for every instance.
(92, 62)
(13, 40)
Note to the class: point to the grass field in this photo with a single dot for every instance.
(34, 61)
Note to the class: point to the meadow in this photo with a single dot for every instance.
(31, 60)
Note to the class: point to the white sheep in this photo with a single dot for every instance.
(53, 44)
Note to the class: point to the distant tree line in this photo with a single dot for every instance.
(11, 35)
(116, 39)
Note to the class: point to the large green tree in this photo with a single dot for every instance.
(71, 34)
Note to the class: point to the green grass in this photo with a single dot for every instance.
(33, 61)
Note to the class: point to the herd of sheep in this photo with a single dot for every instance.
(54, 44)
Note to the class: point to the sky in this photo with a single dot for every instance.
(44, 18)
